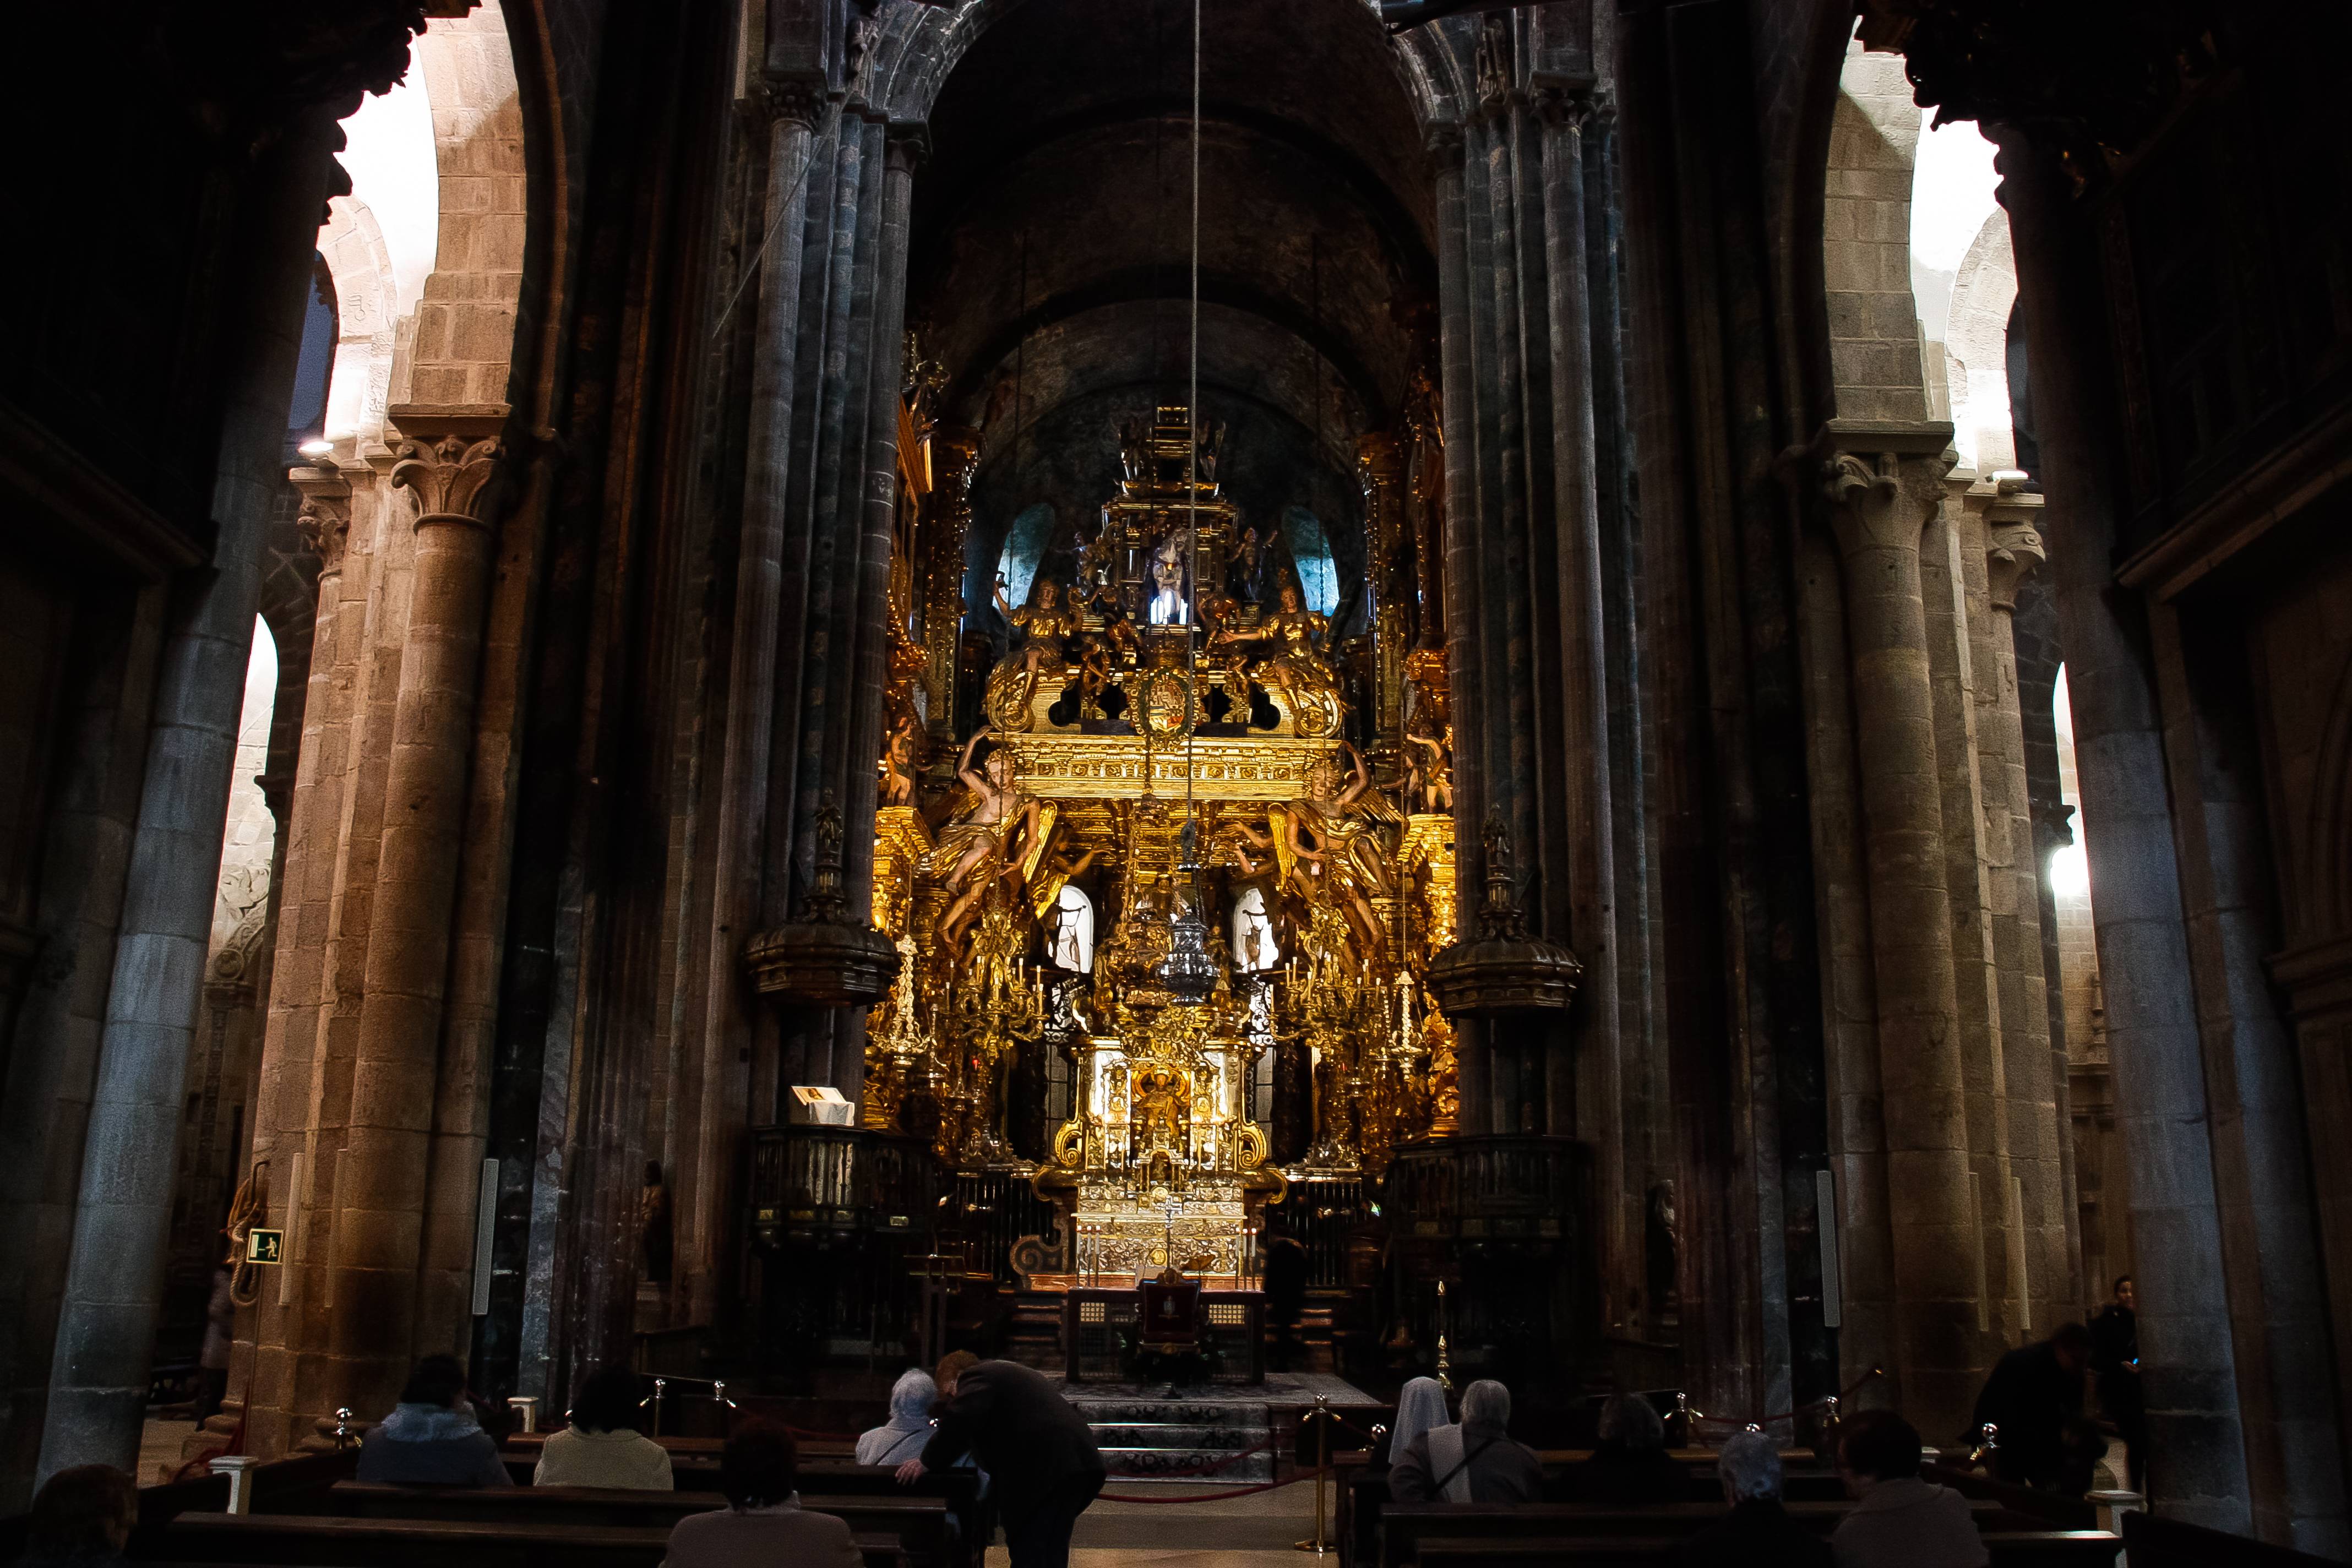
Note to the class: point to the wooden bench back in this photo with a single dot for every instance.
(920, 1522)
(2031, 1548)
(321, 1541)
(2062, 1512)
(1404, 1525)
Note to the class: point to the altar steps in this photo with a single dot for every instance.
(1168, 1440)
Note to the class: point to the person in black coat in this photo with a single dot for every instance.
(2033, 1400)
(1758, 1532)
(2115, 1365)
(1631, 1465)
(1284, 1277)
(1039, 1453)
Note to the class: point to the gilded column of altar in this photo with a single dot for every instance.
(955, 454)
(1380, 466)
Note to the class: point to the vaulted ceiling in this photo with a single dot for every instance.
(1053, 243)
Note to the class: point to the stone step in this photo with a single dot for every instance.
(1179, 1411)
(1155, 1464)
(1226, 1435)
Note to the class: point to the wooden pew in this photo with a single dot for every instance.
(2027, 1549)
(529, 1444)
(1402, 1525)
(1363, 1491)
(833, 1477)
(920, 1523)
(2155, 1542)
(330, 1543)
(336, 1542)
(2062, 1512)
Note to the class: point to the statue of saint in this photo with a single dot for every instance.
(654, 1243)
(1295, 669)
(1168, 606)
(1048, 625)
(994, 819)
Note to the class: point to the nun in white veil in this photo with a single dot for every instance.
(1420, 1406)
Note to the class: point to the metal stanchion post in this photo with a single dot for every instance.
(1444, 1363)
(1322, 1474)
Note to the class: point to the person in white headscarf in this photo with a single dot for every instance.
(1475, 1461)
(902, 1436)
(1420, 1406)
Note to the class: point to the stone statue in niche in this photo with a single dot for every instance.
(654, 1242)
(1168, 607)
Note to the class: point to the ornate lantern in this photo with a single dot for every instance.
(822, 955)
(1503, 970)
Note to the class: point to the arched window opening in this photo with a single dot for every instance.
(1070, 936)
(1310, 548)
(314, 363)
(1254, 947)
(1025, 550)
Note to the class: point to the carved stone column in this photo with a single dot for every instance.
(2041, 1139)
(450, 458)
(716, 1084)
(152, 977)
(1883, 482)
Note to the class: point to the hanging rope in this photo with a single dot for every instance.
(752, 270)
(248, 1209)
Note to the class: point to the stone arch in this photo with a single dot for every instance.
(1976, 351)
(366, 319)
(1874, 353)
(919, 45)
(464, 349)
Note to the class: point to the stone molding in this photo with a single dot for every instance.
(453, 457)
(1566, 107)
(1444, 140)
(792, 98)
(325, 521)
(907, 145)
(1884, 479)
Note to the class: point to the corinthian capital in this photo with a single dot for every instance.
(1884, 479)
(453, 457)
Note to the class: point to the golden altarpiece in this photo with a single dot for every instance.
(1159, 860)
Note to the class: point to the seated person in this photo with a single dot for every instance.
(1420, 1407)
(1474, 1462)
(1759, 1533)
(432, 1438)
(1898, 1520)
(902, 1436)
(82, 1514)
(763, 1522)
(1630, 1465)
(603, 1447)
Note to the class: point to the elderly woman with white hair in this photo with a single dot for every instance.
(1473, 1462)
(1758, 1532)
(902, 1436)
